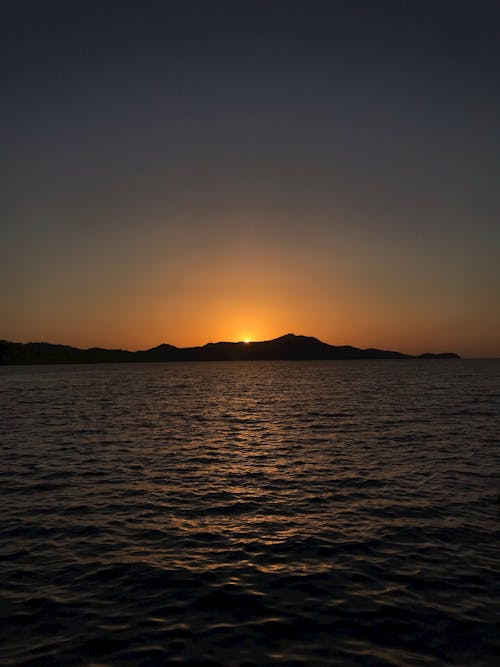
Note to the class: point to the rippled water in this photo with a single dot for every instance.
(274, 513)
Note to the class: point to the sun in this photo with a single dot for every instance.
(247, 340)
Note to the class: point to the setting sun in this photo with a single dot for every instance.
(249, 288)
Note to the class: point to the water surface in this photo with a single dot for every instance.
(261, 513)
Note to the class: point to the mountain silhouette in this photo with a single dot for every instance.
(287, 347)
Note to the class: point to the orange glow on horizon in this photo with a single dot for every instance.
(254, 292)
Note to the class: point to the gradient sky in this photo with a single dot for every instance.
(190, 171)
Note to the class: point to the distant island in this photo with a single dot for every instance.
(288, 347)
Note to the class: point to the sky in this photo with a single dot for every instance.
(185, 172)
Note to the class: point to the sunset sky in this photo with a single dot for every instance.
(186, 172)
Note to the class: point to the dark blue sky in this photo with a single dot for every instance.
(182, 170)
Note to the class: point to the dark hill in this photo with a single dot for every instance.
(289, 346)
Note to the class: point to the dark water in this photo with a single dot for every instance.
(275, 513)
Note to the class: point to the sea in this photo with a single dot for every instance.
(250, 513)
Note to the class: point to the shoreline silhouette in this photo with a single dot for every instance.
(287, 347)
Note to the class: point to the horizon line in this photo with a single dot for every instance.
(238, 342)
